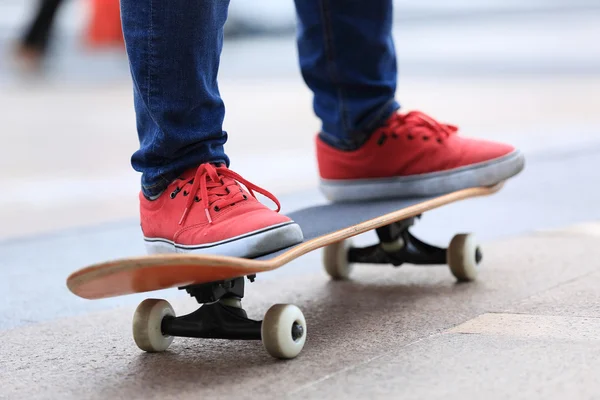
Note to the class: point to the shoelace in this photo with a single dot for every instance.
(213, 184)
(417, 119)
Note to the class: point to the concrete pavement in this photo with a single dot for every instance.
(409, 333)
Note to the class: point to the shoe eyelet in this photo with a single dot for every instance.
(185, 193)
(217, 209)
(425, 138)
(439, 140)
(174, 193)
(196, 199)
(227, 190)
(410, 137)
(245, 197)
(394, 136)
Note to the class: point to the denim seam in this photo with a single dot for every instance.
(156, 184)
(360, 135)
(382, 114)
(166, 179)
(150, 67)
(330, 57)
(161, 180)
(149, 74)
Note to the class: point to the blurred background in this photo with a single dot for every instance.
(527, 72)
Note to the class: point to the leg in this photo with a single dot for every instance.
(365, 149)
(33, 44)
(38, 32)
(188, 193)
(174, 51)
(348, 60)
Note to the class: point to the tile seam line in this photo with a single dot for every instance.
(359, 364)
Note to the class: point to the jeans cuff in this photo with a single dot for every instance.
(154, 189)
(153, 186)
(356, 138)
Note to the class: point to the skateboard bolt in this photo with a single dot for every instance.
(297, 331)
(478, 255)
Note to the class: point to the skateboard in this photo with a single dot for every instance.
(217, 282)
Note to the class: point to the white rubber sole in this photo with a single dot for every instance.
(251, 244)
(483, 174)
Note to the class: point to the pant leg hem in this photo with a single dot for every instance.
(163, 179)
(355, 139)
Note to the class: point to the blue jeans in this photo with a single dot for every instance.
(347, 58)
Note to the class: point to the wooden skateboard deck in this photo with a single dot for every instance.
(322, 225)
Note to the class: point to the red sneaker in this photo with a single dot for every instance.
(207, 211)
(414, 155)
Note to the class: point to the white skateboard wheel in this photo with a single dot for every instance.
(283, 331)
(147, 321)
(335, 260)
(463, 256)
